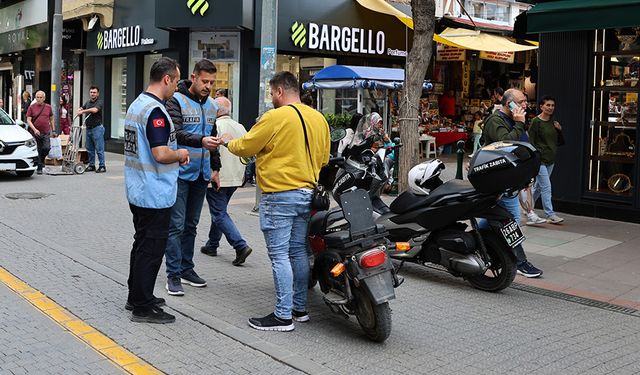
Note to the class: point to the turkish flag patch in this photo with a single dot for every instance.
(158, 123)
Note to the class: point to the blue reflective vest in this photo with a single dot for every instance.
(149, 184)
(197, 119)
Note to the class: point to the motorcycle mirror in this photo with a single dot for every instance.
(338, 134)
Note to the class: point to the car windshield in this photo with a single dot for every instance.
(5, 119)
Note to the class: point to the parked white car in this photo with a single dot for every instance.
(18, 150)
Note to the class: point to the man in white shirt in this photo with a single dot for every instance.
(231, 177)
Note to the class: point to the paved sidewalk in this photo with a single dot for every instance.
(586, 257)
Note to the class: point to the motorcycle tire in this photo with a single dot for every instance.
(375, 320)
(503, 265)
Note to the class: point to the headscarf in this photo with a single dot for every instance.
(374, 119)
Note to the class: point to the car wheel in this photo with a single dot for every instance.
(24, 173)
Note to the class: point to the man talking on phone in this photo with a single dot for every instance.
(507, 124)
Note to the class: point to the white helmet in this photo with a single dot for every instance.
(425, 177)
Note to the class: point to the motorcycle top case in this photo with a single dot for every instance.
(501, 166)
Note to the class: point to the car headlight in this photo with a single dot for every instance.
(30, 143)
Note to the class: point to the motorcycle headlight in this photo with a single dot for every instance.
(30, 143)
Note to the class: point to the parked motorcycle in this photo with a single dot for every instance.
(457, 224)
(353, 268)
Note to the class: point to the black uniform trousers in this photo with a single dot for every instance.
(149, 243)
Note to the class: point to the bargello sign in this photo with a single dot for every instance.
(122, 37)
(344, 39)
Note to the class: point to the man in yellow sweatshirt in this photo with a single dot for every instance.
(287, 170)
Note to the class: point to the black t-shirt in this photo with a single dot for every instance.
(94, 119)
(158, 127)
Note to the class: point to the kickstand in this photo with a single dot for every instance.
(400, 266)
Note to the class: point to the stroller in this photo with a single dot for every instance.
(70, 159)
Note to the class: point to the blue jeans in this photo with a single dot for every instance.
(542, 188)
(185, 215)
(250, 171)
(284, 217)
(95, 144)
(221, 222)
(476, 141)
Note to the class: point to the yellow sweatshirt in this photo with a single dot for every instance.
(277, 140)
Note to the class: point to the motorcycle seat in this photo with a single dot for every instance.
(451, 187)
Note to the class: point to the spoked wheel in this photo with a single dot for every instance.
(375, 320)
(503, 265)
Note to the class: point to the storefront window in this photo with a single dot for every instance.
(223, 48)
(118, 96)
(614, 116)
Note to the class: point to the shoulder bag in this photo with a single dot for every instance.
(319, 197)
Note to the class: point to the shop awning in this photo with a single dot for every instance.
(354, 77)
(85, 9)
(572, 15)
(479, 41)
(461, 38)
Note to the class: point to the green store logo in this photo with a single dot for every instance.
(100, 41)
(299, 34)
(195, 5)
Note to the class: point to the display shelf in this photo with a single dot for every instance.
(614, 159)
(617, 88)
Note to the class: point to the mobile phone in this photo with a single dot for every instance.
(512, 105)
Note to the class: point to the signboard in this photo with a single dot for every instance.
(24, 26)
(204, 14)
(466, 78)
(503, 57)
(448, 53)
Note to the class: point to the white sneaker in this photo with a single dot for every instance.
(555, 219)
(534, 219)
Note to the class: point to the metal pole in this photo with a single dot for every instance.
(460, 154)
(268, 54)
(56, 64)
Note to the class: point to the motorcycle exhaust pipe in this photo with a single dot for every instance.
(465, 264)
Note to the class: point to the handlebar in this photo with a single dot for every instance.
(336, 161)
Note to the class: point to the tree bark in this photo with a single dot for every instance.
(418, 60)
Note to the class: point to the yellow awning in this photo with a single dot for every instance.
(480, 41)
(461, 38)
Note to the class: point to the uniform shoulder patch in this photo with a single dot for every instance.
(158, 123)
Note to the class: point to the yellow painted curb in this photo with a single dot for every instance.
(120, 356)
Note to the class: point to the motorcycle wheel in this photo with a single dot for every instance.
(375, 320)
(503, 265)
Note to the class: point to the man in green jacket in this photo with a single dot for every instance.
(508, 125)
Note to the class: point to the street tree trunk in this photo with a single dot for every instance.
(423, 12)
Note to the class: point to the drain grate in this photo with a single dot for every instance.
(581, 300)
(26, 195)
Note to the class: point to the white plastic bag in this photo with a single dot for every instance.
(55, 152)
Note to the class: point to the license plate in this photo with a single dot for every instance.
(511, 233)
(7, 166)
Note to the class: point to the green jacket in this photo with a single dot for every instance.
(496, 128)
(544, 137)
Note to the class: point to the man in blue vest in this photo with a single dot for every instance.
(193, 113)
(150, 175)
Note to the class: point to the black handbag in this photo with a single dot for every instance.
(320, 196)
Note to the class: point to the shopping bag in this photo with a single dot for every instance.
(55, 152)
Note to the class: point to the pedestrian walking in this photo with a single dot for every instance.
(40, 121)
(231, 177)
(504, 125)
(543, 135)
(95, 129)
(193, 113)
(151, 172)
(291, 144)
(65, 124)
(26, 102)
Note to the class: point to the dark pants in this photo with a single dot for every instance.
(149, 241)
(44, 145)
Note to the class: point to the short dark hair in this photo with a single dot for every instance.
(307, 99)
(204, 65)
(546, 98)
(286, 80)
(162, 67)
(499, 91)
(94, 88)
(223, 92)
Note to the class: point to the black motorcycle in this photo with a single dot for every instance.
(352, 266)
(457, 224)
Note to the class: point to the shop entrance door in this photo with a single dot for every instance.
(44, 84)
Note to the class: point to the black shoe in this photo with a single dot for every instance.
(300, 316)
(101, 170)
(158, 302)
(90, 168)
(209, 252)
(153, 315)
(271, 323)
(191, 277)
(527, 269)
(241, 256)
(39, 171)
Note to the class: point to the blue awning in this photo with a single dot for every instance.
(345, 77)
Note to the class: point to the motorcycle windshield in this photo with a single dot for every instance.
(369, 130)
